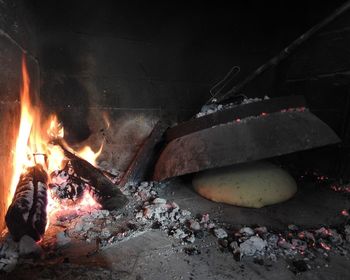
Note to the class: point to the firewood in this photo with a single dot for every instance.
(27, 212)
(101, 188)
(142, 164)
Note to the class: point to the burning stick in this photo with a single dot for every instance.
(101, 188)
(27, 212)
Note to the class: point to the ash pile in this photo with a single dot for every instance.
(239, 100)
(302, 249)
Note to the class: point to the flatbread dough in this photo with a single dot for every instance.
(254, 184)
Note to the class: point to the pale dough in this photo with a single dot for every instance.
(254, 184)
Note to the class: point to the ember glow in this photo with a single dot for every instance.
(33, 145)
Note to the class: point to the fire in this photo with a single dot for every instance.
(106, 120)
(33, 145)
(26, 122)
(89, 155)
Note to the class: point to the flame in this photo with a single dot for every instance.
(106, 120)
(33, 146)
(26, 122)
(89, 155)
(33, 137)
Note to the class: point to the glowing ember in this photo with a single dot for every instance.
(325, 246)
(345, 213)
(56, 209)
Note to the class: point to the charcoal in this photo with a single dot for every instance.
(100, 187)
(66, 186)
(69, 191)
(27, 212)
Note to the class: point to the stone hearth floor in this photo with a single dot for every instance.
(153, 254)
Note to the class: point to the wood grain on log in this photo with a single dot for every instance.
(27, 212)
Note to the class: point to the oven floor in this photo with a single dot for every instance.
(154, 255)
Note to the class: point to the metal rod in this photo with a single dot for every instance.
(285, 52)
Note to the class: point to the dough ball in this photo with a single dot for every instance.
(254, 184)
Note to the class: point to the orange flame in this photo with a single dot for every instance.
(89, 155)
(26, 122)
(32, 145)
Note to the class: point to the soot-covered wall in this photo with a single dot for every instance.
(157, 57)
(139, 62)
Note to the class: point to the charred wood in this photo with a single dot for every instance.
(27, 212)
(100, 187)
(66, 186)
(141, 166)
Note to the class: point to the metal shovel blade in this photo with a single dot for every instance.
(243, 140)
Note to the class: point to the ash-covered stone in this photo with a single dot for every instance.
(194, 225)
(220, 233)
(28, 246)
(252, 246)
(247, 231)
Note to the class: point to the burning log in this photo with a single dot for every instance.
(27, 212)
(100, 187)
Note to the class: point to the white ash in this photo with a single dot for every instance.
(27, 246)
(252, 246)
(147, 211)
(213, 108)
(9, 253)
(194, 225)
(247, 231)
(220, 233)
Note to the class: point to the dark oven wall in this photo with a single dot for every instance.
(160, 59)
(137, 63)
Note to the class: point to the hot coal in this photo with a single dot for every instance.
(66, 186)
(100, 187)
(27, 212)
